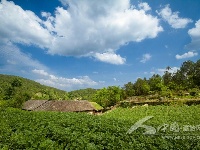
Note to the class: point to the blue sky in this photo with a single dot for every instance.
(78, 44)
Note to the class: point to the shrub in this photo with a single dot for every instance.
(194, 92)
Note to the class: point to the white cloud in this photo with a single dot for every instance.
(144, 6)
(95, 72)
(161, 71)
(171, 70)
(62, 82)
(195, 36)
(12, 62)
(40, 72)
(97, 26)
(20, 26)
(82, 29)
(145, 58)
(12, 59)
(152, 72)
(186, 55)
(173, 19)
(110, 58)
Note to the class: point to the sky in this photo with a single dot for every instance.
(77, 44)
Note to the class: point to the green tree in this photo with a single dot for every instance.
(16, 83)
(196, 75)
(155, 83)
(115, 94)
(19, 99)
(52, 95)
(9, 92)
(12, 88)
(185, 75)
(141, 87)
(15, 94)
(167, 77)
(129, 89)
(107, 97)
(165, 92)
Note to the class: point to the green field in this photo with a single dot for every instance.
(55, 130)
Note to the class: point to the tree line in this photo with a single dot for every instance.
(15, 90)
(186, 80)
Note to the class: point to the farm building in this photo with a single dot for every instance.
(60, 105)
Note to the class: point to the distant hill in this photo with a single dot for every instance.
(15, 90)
(82, 94)
(31, 88)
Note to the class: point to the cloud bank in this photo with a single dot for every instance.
(186, 55)
(61, 82)
(110, 58)
(161, 71)
(13, 60)
(173, 18)
(80, 28)
(22, 26)
(195, 36)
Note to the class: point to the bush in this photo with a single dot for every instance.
(194, 92)
(107, 97)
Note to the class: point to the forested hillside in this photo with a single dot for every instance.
(185, 80)
(82, 94)
(16, 90)
(183, 83)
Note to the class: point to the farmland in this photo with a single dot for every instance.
(171, 124)
(57, 130)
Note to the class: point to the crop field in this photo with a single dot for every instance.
(177, 127)
(183, 114)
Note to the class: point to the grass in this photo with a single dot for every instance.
(96, 106)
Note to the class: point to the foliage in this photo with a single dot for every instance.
(162, 114)
(96, 106)
(182, 115)
(129, 89)
(17, 90)
(16, 83)
(155, 83)
(141, 87)
(185, 79)
(194, 92)
(107, 97)
(55, 130)
(82, 94)
(165, 92)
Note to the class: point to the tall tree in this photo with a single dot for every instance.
(155, 83)
(168, 68)
(141, 87)
(184, 77)
(196, 77)
(167, 77)
(109, 96)
(129, 89)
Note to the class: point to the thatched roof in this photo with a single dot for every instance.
(58, 105)
(33, 104)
